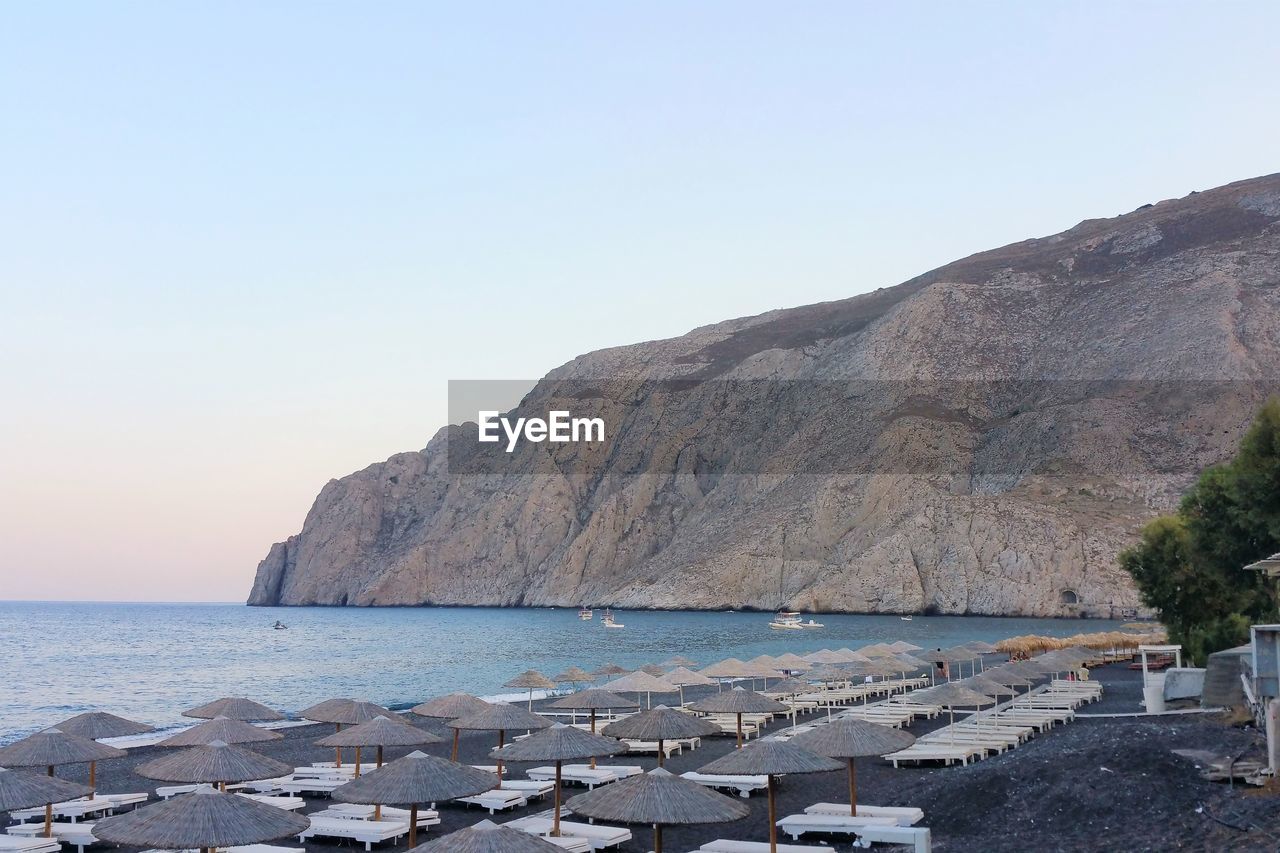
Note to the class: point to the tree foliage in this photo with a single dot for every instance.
(1189, 564)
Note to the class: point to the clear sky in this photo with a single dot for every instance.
(243, 246)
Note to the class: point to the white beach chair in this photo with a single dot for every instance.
(19, 844)
(744, 785)
(78, 835)
(904, 815)
(497, 799)
(582, 774)
(368, 832)
(427, 818)
(532, 789)
(289, 804)
(166, 791)
(598, 836)
(797, 825)
(730, 845)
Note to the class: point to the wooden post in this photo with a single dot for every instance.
(48, 813)
(555, 821)
(337, 750)
(853, 788)
(657, 838)
(93, 772)
(453, 756)
(773, 819)
(413, 825)
(379, 755)
(739, 730)
(660, 755)
(593, 731)
(357, 762)
(501, 733)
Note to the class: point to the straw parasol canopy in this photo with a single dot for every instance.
(824, 656)
(558, 744)
(683, 677)
(417, 778)
(52, 748)
(770, 758)
(641, 682)
(904, 646)
(826, 673)
(727, 668)
(593, 700)
(99, 724)
(235, 708)
(850, 739)
(738, 702)
(450, 707)
(216, 762)
(788, 687)
(951, 694)
(19, 790)
(573, 675)
(653, 669)
(678, 660)
(609, 669)
(657, 798)
(986, 686)
(204, 819)
(380, 732)
(982, 648)
(343, 712)
(500, 717)
(220, 729)
(531, 680)
(487, 837)
(793, 662)
(660, 724)
(1006, 677)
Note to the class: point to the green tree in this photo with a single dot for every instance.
(1188, 565)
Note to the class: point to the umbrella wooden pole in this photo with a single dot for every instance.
(661, 752)
(657, 838)
(379, 755)
(357, 762)
(48, 813)
(453, 756)
(555, 820)
(773, 819)
(739, 730)
(593, 731)
(413, 825)
(93, 773)
(501, 735)
(337, 750)
(853, 788)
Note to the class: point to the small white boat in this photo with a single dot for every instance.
(906, 618)
(786, 625)
(586, 614)
(812, 624)
(607, 620)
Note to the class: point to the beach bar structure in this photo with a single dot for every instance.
(1152, 682)
(1264, 691)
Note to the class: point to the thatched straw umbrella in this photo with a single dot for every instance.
(652, 669)
(609, 669)
(738, 702)
(96, 725)
(770, 758)
(214, 764)
(904, 646)
(950, 695)
(531, 680)
(450, 707)
(824, 656)
(661, 724)
(236, 708)
(53, 748)
(849, 739)
(1004, 676)
(574, 675)
(678, 660)
(683, 677)
(559, 744)
(658, 798)
(220, 728)
(943, 656)
(487, 837)
(641, 682)
(20, 790)
(792, 662)
(344, 712)
(595, 699)
(415, 779)
(380, 732)
(204, 819)
(500, 717)
(727, 668)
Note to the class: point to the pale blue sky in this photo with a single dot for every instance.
(246, 244)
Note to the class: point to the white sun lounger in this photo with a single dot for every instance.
(369, 832)
(669, 748)
(497, 799)
(744, 785)
(569, 842)
(289, 804)
(797, 825)
(427, 818)
(917, 837)
(937, 752)
(167, 791)
(78, 835)
(904, 815)
(532, 789)
(581, 774)
(599, 836)
(242, 848)
(728, 845)
(84, 807)
(305, 786)
(18, 844)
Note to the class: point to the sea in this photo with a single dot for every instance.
(149, 662)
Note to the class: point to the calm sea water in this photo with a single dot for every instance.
(150, 661)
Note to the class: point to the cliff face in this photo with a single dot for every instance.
(982, 439)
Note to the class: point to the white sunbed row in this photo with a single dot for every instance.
(885, 824)
(18, 844)
(368, 832)
(73, 810)
(242, 848)
(78, 835)
(742, 785)
(596, 836)
(427, 818)
(514, 793)
(585, 774)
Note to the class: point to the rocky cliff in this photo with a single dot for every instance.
(982, 439)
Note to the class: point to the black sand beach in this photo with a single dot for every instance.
(1100, 783)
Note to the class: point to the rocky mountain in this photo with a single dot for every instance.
(981, 439)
